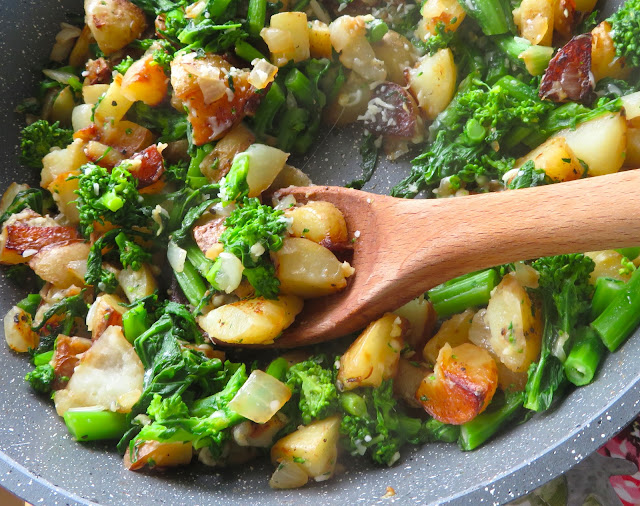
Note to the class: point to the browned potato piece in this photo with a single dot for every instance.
(556, 158)
(251, 321)
(462, 385)
(534, 19)
(564, 17)
(137, 284)
(155, 454)
(113, 106)
(422, 318)
(288, 176)
(373, 356)
(145, 81)
(62, 161)
(454, 331)
(107, 310)
(218, 163)
(633, 148)
(52, 263)
(608, 263)
(314, 447)
(114, 23)
(17, 331)
(307, 269)
(67, 354)
(448, 12)
(319, 40)
(433, 82)
(63, 190)
(397, 53)
(410, 375)
(516, 325)
(318, 221)
(604, 62)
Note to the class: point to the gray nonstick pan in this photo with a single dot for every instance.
(42, 464)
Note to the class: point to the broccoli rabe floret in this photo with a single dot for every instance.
(316, 386)
(131, 253)
(41, 378)
(625, 31)
(38, 138)
(112, 197)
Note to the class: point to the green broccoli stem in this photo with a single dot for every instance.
(112, 201)
(247, 52)
(195, 178)
(605, 291)
(278, 368)
(42, 358)
(485, 425)
(440, 431)
(269, 107)
(493, 16)
(94, 425)
(534, 58)
(353, 404)
(630, 253)
(191, 282)
(584, 357)
(256, 16)
(622, 316)
(463, 292)
(293, 122)
(206, 267)
(135, 322)
(30, 303)
(216, 8)
(300, 86)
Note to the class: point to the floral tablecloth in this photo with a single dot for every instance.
(609, 477)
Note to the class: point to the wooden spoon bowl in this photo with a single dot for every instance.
(402, 248)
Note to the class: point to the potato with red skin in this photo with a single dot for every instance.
(125, 137)
(65, 358)
(461, 386)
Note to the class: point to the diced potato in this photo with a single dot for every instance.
(80, 52)
(63, 189)
(373, 356)
(314, 447)
(454, 331)
(62, 107)
(103, 155)
(262, 74)
(265, 162)
(288, 475)
(462, 385)
(433, 82)
(145, 81)
(608, 263)
(516, 325)
(280, 44)
(62, 161)
(410, 375)
(81, 116)
(534, 19)
(137, 284)
(318, 221)
(52, 263)
(422, 318)
(218, 163)
(155, 454)
(67, 354)
(17, 331)
(126, 137)
(114, 105)
(631, 105)
(398, 54)
(449, 12)
(107, 310)
(600, 143)
(351, 102)
(251, 321)
(348, 37)
(307, 269)
(92, 93)
(564, 17)
(114, 23)
(556, 158)
(258, 435)
(294, 23)
(109, 375)
(604, 62)
(319, 40)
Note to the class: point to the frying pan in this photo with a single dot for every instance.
(42, 464)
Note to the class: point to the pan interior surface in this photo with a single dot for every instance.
(42, 464)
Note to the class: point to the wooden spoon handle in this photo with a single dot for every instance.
(442, 239)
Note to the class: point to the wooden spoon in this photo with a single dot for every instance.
(402, 247)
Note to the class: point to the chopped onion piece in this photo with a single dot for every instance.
(260, 397)
(59, 75)
(176, 256)
(229, 275)
(287, 202)
(262, 73)
(288, 475)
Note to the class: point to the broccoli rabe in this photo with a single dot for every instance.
(41, 378)
(112, 197)
(38, 138)
(169, 123)
(566, 294)
(131, 253)
(316, 388)
(36, 199)
(528, 176)
(625, 27)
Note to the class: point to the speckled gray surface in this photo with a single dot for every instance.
(40, 463)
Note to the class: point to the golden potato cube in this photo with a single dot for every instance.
(113, 106)
(534, 19)
(454, 331)
(62, 161)
(63, 189)
(556, 158)
(319, 40)
(137, 284)
(604, 62)
(433, 82)
(295, 23)
(608, 263)
(318, 221)
(308, 270)
(398, 54)
(145, 81)
(448, 12)
(408, 379)
(251, 321)
(114, 23)
(515, 324)
(373, 356)
(422, 318)
(314, 447)
(91, 93)
(17, 331)
(155, 454)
